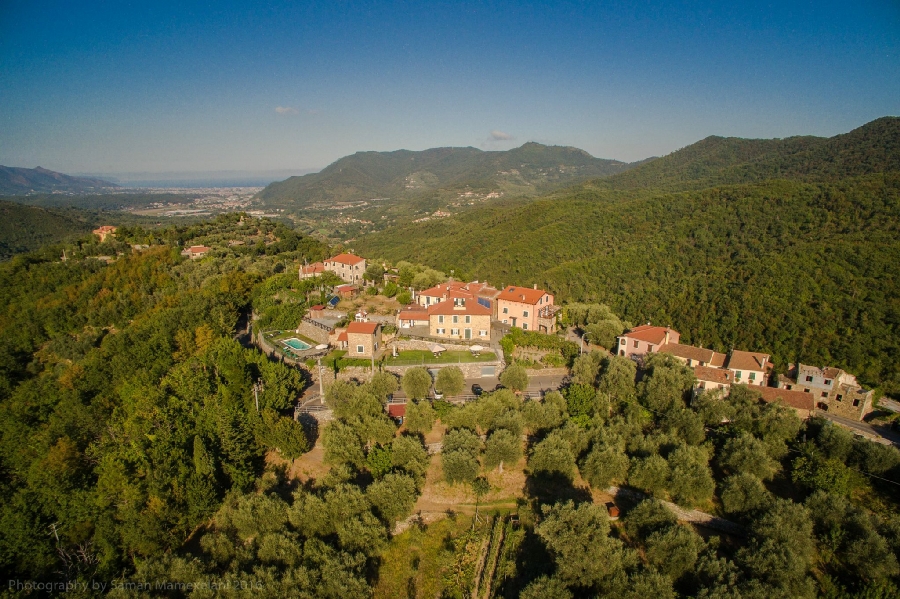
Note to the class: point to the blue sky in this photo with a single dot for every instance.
(189, 86)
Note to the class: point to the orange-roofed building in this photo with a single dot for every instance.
(750, 368)
(196, 251)
(412, 316)
(349, 267)
(104, 232)
(645, 339)
(802, 402)
(527, 308)
(312, 270)
(363, 339)
(712, 378)
(466, 319)
(694, 356)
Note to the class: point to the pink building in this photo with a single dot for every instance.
(528, 309)
(645, 339)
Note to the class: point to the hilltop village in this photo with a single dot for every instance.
(476, 313)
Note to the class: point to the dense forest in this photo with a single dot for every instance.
(802, 268)
(26, 228)
(145, 450)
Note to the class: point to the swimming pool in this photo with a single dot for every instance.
(295, 343)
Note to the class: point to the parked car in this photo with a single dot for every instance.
(438, 394)
(477, 390)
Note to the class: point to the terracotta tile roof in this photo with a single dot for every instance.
(521, 295)
(104, 229)
(345, 287)
(363, 328)
(342, 336)
(471, 307)
(713, 375)
(396, 410)
(198, 249)
(689, 352)
(413, 313)
(648, 333)
(748, 360)
(346, 259)
(798, 400)
(315, 267)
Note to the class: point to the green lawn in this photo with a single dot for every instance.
(406, 358)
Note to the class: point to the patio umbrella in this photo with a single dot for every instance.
(322, 346)
(476, 349)
(436, 349)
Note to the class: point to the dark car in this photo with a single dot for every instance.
(476, 389)
(498, 387)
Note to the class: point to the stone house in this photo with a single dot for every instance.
(311, 270)
(528, 309)
(363, 339)
(349, 267)
(196, 251)
(457, 290)
(466, 319)
(749, 368)
(834, 390)
(645, 339)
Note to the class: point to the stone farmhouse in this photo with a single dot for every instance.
(361, 339)
(834, 390)
(348, 267)
(312, 270)
(460, 319)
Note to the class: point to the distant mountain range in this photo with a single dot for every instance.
(21, 181)
(527, 170)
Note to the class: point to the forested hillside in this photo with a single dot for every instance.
(126, 408)
(15, 180)
(25, 228)
(802, 269)
(525, 170)
(872, 148)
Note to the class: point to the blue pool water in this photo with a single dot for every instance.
(295, 343)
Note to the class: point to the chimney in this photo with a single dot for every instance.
(667, 335)
(535, 286)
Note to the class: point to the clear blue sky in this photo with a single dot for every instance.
(187, 86)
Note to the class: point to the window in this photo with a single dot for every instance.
(737, 374)
(505, 321)
(637, 343)
(806, 390)
(468, 319)
(454, 331)
(359, 349)
(441, 331)
(824, 393)
(622, 342)
(789, 387)
(441, 319)
(809, 379)
(524, 313)
(828, 382)
(524, 326)
(855, 403)
(455, 319)
(505, 311)
(752, 376)
(840, 397)
(482, 333)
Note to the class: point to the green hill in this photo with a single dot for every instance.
(872, 148)
(26, 228)
(530, 169)
(18, 181)
(804, 269)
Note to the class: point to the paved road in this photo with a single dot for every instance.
(885, 434)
